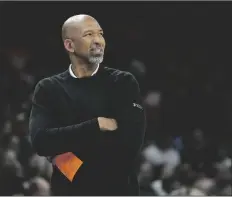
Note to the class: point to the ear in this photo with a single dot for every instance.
(69, 46)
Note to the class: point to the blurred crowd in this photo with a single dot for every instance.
(190, 167)
(22, 172)
(186, 90)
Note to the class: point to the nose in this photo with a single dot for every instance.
(97, 40)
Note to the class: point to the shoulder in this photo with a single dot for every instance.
(47, 89)
(51, 82)
(123, 82)
(120, 76)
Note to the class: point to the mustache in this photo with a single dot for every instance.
(96, 48)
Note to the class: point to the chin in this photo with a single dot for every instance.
(96, 60)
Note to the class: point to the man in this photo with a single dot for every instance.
(89, 119)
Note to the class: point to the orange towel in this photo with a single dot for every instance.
(68, 164)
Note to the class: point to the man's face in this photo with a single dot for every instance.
(87, 42)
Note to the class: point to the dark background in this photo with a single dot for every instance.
(184, 54)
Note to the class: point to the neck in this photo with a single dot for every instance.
(82, 69)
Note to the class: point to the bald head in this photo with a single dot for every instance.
(75, 23)
(83, 39)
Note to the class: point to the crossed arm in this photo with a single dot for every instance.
(49, 139)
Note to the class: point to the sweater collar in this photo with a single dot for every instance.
(74, 76)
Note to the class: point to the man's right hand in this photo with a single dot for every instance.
(107, 124)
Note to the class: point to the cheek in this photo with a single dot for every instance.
(82, 46)
(86, 43)
(103, 42)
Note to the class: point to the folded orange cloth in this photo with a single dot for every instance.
(68, 164)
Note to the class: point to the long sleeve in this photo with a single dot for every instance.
(131, 121)
(130, 117)
(47, 137)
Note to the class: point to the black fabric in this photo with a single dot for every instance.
(64, 119)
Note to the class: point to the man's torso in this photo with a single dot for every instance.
(101, 167)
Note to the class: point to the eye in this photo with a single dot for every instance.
(101, 33)
(88, 34)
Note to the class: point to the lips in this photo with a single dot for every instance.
(97, 49)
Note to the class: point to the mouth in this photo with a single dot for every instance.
(97, 51)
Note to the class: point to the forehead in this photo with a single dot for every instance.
(88, 25)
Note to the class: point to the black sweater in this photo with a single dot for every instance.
(64, 119)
